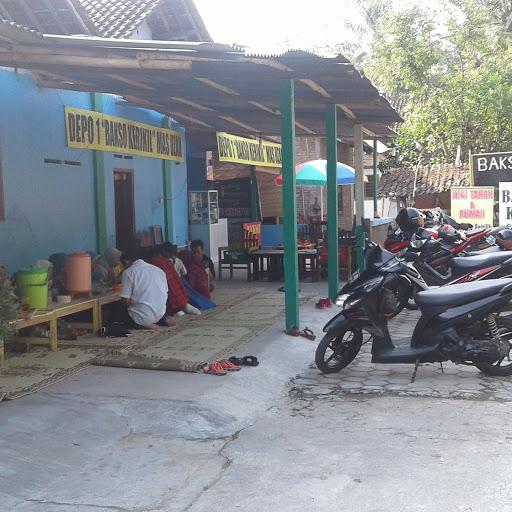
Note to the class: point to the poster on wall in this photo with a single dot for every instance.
(505, 202)
(234, 198)
(489, 169)
(473, 205)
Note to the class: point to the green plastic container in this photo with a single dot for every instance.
(33, 286)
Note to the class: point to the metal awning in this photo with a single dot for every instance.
(207, 87)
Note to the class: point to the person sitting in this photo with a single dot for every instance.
(177, 296)
(107, 267)
(200, 270)
(172, 253)
(144, 292)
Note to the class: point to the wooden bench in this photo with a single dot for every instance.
(237, 256)
(56, 311)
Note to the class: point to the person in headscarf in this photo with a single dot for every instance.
(107, 267)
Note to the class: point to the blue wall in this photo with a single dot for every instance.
(50, 208)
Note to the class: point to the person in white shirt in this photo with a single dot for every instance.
(144, 291)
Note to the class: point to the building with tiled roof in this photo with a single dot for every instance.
(171, 20)
(433, 184)
(432, 179)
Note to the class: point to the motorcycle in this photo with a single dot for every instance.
(459, 323)
(436, 263)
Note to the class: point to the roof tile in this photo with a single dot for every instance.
(118, 18)
(432, 179)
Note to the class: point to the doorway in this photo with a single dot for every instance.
(124, 208)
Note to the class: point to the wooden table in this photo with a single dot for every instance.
(55, 311)
(271, 262)
(41, 317)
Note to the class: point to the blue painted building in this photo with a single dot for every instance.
(49, 190)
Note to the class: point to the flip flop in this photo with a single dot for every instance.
(320, 304)
(244, 361)
(235, 360)
(250, 361)
(308, 333)
(229, 366)
(214, 369)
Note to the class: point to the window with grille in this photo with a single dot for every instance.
(368, 187)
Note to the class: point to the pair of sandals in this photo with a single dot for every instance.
(245, 361)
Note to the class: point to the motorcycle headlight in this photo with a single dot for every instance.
(347, 301)
(340, 299)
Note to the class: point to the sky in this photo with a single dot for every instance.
(275, 25)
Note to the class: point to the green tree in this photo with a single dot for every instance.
(454, 77)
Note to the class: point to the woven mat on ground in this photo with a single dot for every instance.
(220, 333)
(243, 312)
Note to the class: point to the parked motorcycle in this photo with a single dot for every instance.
(459, 323)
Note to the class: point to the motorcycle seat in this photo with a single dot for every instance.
(469, 263)
(489, 250)
(459, 294)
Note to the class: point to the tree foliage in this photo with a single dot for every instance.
(453, 71)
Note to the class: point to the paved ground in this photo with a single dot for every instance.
(363, 377)
(279, 437)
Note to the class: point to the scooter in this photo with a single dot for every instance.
(459, 323)
(438, 266)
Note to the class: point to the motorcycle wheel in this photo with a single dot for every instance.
(337, 350)
(499, 369)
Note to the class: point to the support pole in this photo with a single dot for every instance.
(375, 181)
(359, 192)
(255, 196)
(332, 202)
(99, 185)
(291, 267)
(168, 200)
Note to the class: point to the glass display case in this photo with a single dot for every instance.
(204, 207)
(204, 221)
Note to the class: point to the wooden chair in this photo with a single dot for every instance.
(236, 256)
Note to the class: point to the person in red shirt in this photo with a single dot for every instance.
(177, 297)
(198, 268)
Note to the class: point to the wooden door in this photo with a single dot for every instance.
(124, 208)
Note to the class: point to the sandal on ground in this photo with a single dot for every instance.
(320, 304)
(214, 369)
(308, 333)
(244, 361)
(250, 361)
(229, 366)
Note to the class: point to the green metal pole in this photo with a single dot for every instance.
(291, 266)
(332, 202)
(167, 182)
(359, 192)
(375, 180)
(255, 196)
(99, 185)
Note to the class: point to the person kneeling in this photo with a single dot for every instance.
(144, 292)
(177, 298)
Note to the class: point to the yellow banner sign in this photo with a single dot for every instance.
(241, 150)
(473, 205)
(86, 129)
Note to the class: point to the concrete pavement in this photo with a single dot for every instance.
(277, 437)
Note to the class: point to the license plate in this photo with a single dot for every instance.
(490, 240)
